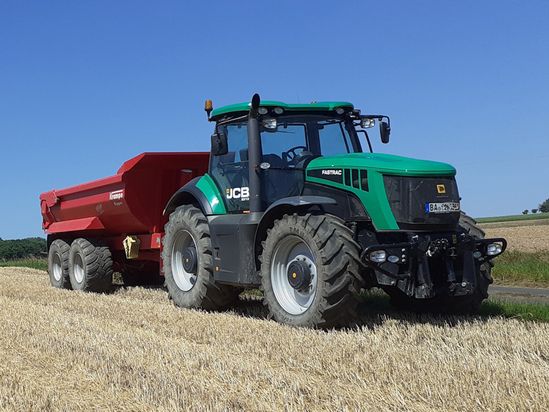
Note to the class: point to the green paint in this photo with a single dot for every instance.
(210, 190)
(245, 107)
(385, 163)
(377, 164)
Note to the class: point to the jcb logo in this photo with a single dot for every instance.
(242, 193)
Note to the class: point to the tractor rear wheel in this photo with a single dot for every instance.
(58, 264)
(310, 271)
(90, 266)
(187, 258)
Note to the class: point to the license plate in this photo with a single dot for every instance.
(445, 207)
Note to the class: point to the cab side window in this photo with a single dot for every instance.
(230, 171)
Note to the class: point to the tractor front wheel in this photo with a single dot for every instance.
(310, 271)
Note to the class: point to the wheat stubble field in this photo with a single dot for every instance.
(133, 350)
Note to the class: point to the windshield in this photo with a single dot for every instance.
(287, 139)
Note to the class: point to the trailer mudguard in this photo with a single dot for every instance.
(189, 194)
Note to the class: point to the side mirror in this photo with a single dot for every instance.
(384, 131)
(219, 144)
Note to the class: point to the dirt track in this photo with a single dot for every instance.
(134, 350)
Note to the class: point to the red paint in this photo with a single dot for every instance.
(129, 203)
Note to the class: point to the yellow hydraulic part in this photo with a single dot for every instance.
(131, 246)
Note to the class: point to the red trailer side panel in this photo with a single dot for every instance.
(130, 202)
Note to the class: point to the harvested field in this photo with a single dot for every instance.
(522, 238)
(134, 350)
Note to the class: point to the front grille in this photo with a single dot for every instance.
(408, 197)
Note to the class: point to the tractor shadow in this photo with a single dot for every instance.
(374, 310)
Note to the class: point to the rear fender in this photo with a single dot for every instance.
(189, 194)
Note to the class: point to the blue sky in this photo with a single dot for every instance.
(87, 85)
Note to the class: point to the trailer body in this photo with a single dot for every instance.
(129, 203)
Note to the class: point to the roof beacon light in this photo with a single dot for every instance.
(208, 107)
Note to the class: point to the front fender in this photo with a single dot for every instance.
(286, 205)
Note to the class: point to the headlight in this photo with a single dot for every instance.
(393, 259)
(278, 110)
(378, 256)
(262, 110)
(269, 123)
(493, 249)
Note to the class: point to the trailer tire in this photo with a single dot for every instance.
(188, 229)
(58, 264)
(326, 294)
(90, 266)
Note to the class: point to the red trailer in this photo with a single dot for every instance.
(130, 203)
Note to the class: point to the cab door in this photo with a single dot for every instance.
(230, 171)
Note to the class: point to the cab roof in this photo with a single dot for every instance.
(241, 108)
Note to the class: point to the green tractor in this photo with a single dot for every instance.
(294, 205)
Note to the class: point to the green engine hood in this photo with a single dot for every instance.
(384, 163)
(333, 171)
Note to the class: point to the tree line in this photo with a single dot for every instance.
(543, 208)
(32, 247)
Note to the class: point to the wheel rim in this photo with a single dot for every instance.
(78, 268)
(183, 279)
(56, 268)
(288, 250)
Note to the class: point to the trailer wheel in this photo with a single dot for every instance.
(310, 271)
(90, 266)
(187, 258)
(58, 264)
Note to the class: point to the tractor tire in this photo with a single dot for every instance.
(90, 266)
(187, 242)
(471, 304)
(58, 264)
(310, 268)
(458, 305)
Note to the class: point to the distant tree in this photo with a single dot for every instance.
(22, 248)
(525, 212)
(544, 207)
(534, 211)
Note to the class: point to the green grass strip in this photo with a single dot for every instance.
(511, 218)
(41, 264)
(508, 309)
(521, 268)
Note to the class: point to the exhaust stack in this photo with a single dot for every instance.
(254, 156)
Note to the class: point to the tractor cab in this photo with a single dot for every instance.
(290, 136)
